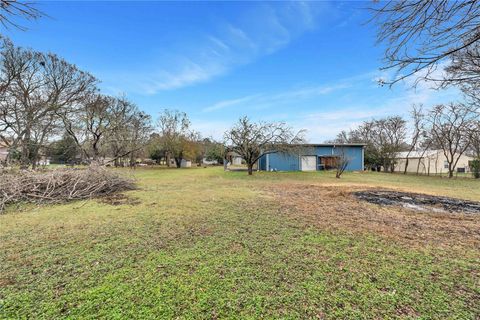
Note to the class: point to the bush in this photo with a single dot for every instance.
(475, 166)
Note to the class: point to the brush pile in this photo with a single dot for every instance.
(61, 185)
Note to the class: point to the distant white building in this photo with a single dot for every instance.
(43, 162)
(234, 158)
(209, 162)
(185, 163)
(429, 162)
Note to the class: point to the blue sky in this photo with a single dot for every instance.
(310, 64)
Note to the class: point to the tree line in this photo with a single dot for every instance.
(43, 97)
(250, 140)
(452, 128)
(51, 108)
(437, 42)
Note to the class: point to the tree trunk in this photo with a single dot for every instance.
(178, 162)
(167, 159)
(386, 167)
(34, 163)
(25, 154)
(133, 160)
(406, 166)
(250, 169)
(450, 171)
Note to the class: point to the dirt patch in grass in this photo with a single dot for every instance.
(337, 208)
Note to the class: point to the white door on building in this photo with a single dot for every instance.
(308, 163)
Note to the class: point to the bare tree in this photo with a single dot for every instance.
(95, 123)
(464, 70)
(252, 140)
(389, 136)
(342, 161)
(425, 142)
(422, 34)
(11, 10)
(365, 133)
(342, 137)
(383, 139)
(450, 130)
(35, 86)
(418, 130)
(139, 129)
(128, 132)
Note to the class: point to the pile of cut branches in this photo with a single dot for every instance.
(61, 185)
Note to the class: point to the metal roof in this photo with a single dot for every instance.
(417, 154)
(332, 144)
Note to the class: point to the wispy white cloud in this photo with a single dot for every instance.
(186, 73)
(228, 103)
(261, 30)
(265, 100)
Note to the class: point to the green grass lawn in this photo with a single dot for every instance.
(208, 244)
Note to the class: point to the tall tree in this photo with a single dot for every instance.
(176, 136)
(417, 131)
(389, 136)
(383, 139)
(365, 134)
(102, 123)
(35, 87)
(128, 133)
(421, 35)
(251, 140)
(450, 129)
(139, 129)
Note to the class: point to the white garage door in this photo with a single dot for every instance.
(308, 163)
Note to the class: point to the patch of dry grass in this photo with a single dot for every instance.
(335, 208)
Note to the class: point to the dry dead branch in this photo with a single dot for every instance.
(61, 185)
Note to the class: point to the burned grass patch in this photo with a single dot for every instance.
(419, 202)
(337, 208)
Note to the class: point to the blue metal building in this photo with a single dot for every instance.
(313, 157)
